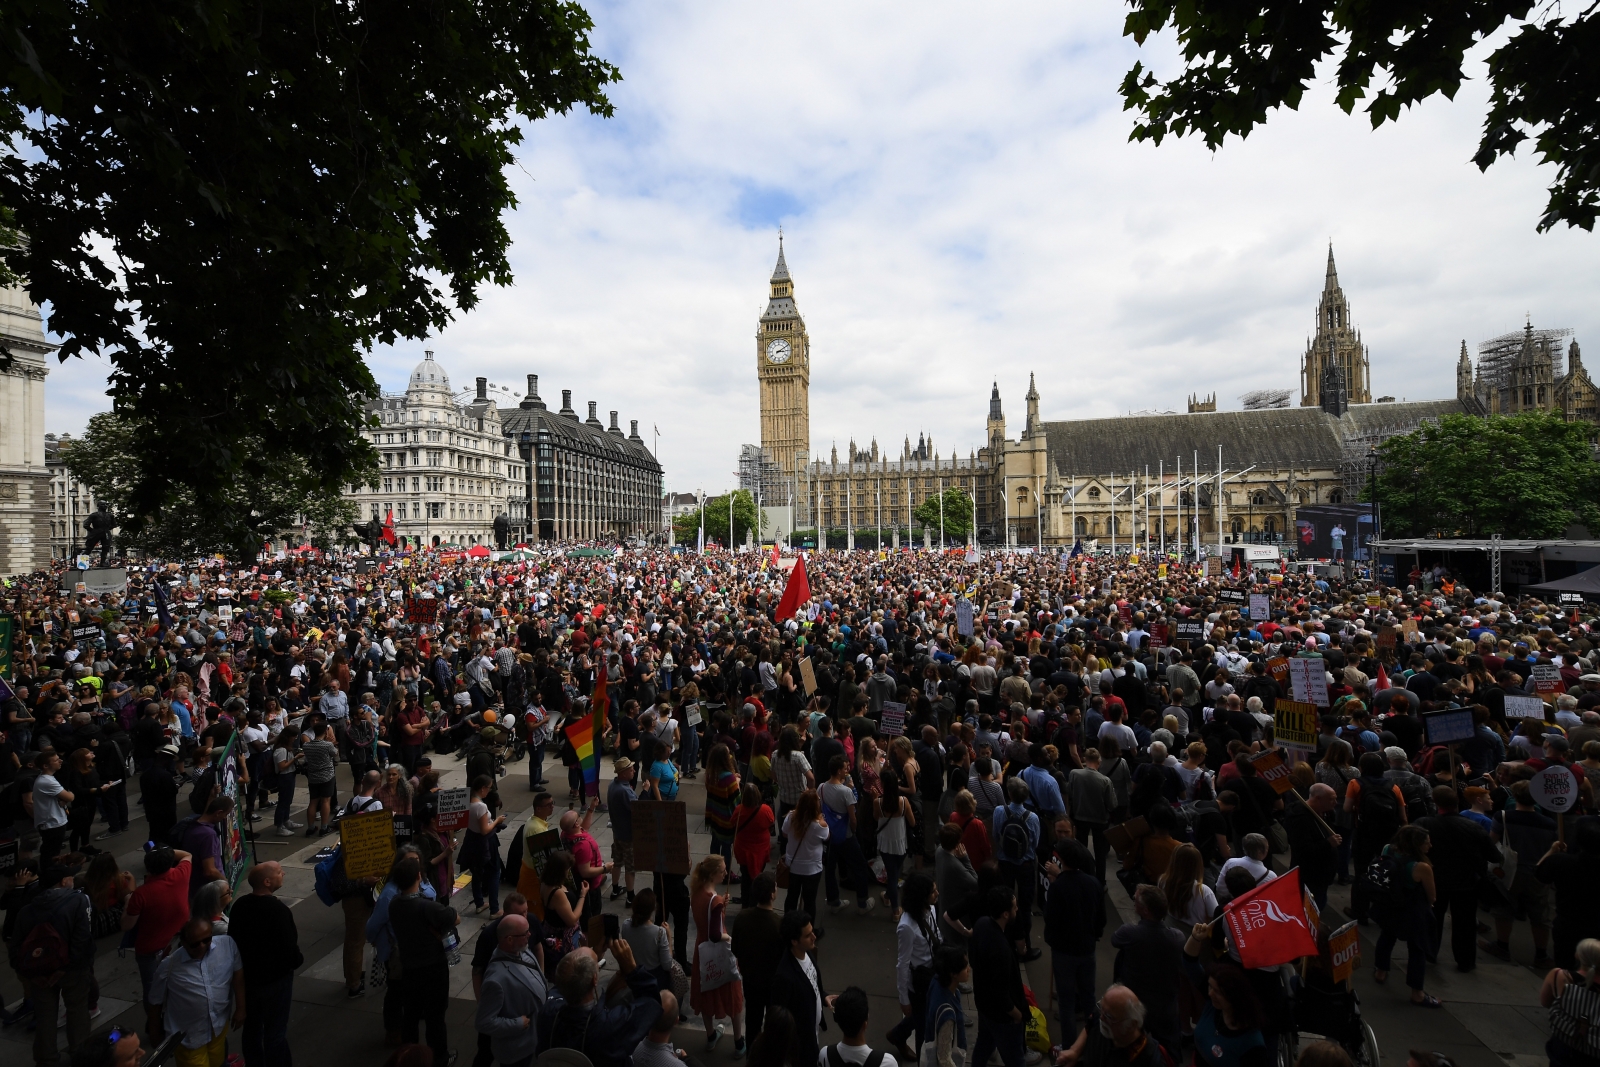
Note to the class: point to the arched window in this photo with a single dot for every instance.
(1094, 492)
(1237, 526)
(1336, 496)
(1269, 524)
(1259, 499)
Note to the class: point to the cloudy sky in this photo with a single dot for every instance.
(961, 205)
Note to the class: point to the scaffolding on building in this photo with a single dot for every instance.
(1261, 399)
(1497, 355)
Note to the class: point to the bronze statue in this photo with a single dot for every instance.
(502, 528)
(97, 531)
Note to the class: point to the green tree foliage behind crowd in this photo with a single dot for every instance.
(1527, 475)
(232, 200)
(686, 528)
(957, 513)
(253, 510)
(1242, 60)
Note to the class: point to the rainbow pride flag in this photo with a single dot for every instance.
(586, 743)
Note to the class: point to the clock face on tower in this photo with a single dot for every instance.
(778, 351)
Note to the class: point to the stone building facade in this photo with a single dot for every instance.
(446, 470)
(25, 503)
(71, 501)
(578, 479)
(1336, 343)
(1532, 379)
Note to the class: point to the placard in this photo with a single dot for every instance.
(1409, 631)
(1546, 678)
(8, 858)
(808, 676)
(1158, 635)
(405, 827)
(1569, 598)
(691, 714)
(1213, 567)
(1272, 770)
(422, 610)
(964, 617)
(1344, 951)
(1448, 727)
(661, 836)
(1231, 596)
(368, 842)
(452, 808)
(1308, 680)
(1278, 667)
(1125, 613)
(1386, 637)
(893, 722)
(1524, 707)
(1260, 607)
(1190, 629)
(1295, 725)
(1555, 788)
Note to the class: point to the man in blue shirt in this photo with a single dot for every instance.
(1016, 845)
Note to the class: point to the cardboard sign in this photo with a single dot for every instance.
(1448, 727)
(1409, 631)
(1374, 600)
(661, 836)
(1260, 607)
(453, 808)
(1270, 766)
(1555, 789)
(422, 610)
(1344, 951)
(1213, 567)
(1546, 677)
(1522, 707)
(893, 723)
(808, 676)
(1386, 637)
(1295, 725)
(1308, 680)
(368, 842)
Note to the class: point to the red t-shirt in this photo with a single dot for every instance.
(586, 852)
(162, 905)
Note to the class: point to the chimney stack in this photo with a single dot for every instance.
(593, 416)
(566, 403)
(483, 389)
(614, 428)
(633, 428)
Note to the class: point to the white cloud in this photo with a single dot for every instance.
(962, 205)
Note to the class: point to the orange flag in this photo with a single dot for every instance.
(796, 592)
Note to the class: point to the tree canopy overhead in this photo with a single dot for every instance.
(1530, 475)
(230, 200)
(1243, 60)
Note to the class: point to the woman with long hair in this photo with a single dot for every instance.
(916, 941)
(805, 832)
(480, 849)
(108, 887)
(83, 782)
(1406, 913)
(395, 792)
(791, 770)
(944, 1024)
(893, 816)
(211, 902)
(649, 941)
(1189, 899)
(752, 836)
(727, 1000)
(562, 906)
(722, 796)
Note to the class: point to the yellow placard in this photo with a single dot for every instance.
(368, 843)
(1295, 724)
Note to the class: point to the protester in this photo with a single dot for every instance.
(57, 917)
(191, 994)
(263, 929)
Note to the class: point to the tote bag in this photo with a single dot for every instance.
(717, 965)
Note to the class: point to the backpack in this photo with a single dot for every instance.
(1388, 888)
(1351, 735)
(179, 834)
(43, 955)
(1419, 797)
(874, 1058)
(1378, 814)
(1014, 838)
(330, 880)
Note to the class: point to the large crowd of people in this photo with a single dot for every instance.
(976, 744)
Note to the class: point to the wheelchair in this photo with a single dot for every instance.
(1328, 1011)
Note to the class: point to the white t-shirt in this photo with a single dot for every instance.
(855, 1054)
(48, 810)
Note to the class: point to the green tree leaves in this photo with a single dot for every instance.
(686, 528)
(236, 522)
(1243, 60)
(1526, 475)
(231, 200)
(957, 513)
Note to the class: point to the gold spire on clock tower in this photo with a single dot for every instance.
(783, 368)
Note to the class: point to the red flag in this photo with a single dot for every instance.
(388, 527)
(796, 592)
(1383, 680)
(774, 553)
(1236, 566)
(1269, 925)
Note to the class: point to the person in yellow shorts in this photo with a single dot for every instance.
(190, 993)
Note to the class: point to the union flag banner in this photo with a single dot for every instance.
(1269, 924)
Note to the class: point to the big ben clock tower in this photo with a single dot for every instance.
(783, 366)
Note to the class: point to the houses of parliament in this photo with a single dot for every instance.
(1203, 474)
